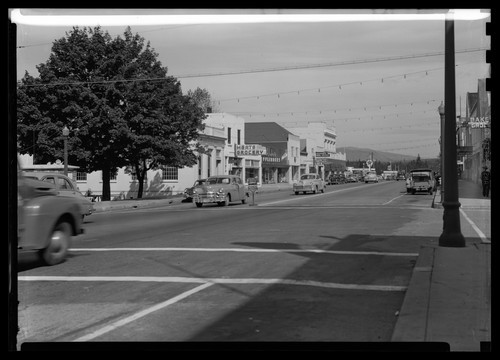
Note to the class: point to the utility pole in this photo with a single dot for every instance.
(452, 235)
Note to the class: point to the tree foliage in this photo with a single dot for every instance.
(114, 95)
(203, 99)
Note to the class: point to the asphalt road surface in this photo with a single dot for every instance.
(328, 267)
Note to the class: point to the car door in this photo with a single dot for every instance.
(235, 190)
(241, 188)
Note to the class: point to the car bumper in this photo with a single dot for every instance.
(211, 198)
(421, 188)
(303, 188)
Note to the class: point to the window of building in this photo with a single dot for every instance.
(239, 137)
(170, 173)
(81, 176)
(229, 135)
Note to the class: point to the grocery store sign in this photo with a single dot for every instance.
(479, 122)
(252, 149)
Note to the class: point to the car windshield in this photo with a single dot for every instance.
(420, 178)
(307, 177)
(213, 181)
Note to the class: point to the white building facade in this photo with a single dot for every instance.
(318, 144)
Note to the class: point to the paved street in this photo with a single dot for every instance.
(324, 267)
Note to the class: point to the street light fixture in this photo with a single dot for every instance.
(65, 132)
(452, 235)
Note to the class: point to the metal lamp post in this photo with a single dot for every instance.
(451, 235)
(441, 111)
(65, 132)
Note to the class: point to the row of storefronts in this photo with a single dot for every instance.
(474, 135)
(265, 151)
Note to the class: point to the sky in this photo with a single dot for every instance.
(377, 83)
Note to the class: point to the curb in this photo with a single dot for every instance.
(411, 324)
(134, 204)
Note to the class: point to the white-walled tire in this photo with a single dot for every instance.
(59, 243)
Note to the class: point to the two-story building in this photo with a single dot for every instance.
(282, 159)
(318, 149)
(239, 159)
(474, 134)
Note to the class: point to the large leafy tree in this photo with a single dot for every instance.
(121, 107)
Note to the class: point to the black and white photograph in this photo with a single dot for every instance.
(250, 179)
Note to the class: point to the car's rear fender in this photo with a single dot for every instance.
(39, 217)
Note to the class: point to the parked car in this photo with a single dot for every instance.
(220, 190)
(371, 177)
(336, 179)
(188, 192)
(422, 180)
(46, 222)
(64, 186)
(309, 183)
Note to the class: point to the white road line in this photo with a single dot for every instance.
(142, 313)
(397, 197)
(483, 237)
(301, 198)
(248, 281)
(317, 251)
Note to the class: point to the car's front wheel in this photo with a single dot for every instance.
(59, 242)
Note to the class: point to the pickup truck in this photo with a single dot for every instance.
(46, 222)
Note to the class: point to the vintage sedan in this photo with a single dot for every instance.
(309, 183)
(46, 222)
(220, 190)
(188, 192)
(65, 187)
(371, 177)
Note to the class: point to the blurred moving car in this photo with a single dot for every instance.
(188, 192)
(221, 190)
(46, 222)
(64, 186)
(371, 177)
(309, 183)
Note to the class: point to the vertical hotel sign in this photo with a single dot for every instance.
(252, 149)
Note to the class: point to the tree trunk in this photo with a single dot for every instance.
(140, 180)
(106, 188)
(139, 173)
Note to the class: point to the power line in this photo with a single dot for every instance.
(340, 63)
(300, 67)
(339, 85)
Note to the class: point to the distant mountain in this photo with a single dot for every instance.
(355, 154)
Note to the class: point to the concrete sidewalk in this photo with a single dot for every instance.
(449, 295)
